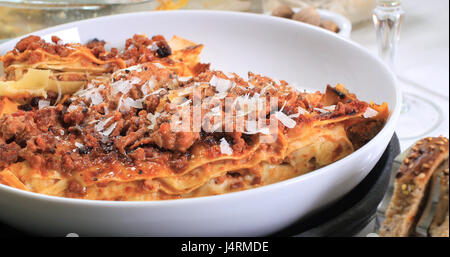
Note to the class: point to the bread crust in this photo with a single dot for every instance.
(411, 184)
(440, 226)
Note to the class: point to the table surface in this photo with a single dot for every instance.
(423, 56)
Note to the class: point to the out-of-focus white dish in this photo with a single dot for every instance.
(344, 24)
(302, 54)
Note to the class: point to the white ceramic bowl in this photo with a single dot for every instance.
(344, 24)
(279, 48)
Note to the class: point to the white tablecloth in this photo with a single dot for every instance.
(423, 57)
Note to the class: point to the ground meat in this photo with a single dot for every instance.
(131, 125)
(151, 103)
(46, 118)
(97, 46)
(29, 42)
(35, 57)
(19, 126)
(9, 153)
(67, 162)
(75, 116)
(179, 163)
(73, 161)
(138, 155)
(122, 142)
(118, 130)
(43, 144)
(90, 141)
(140, 49)
(138, 40)
(238, 142)
(165, 138)
(135, 93)
(75, 189)
(36, 161)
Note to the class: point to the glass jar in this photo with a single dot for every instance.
(18, 17)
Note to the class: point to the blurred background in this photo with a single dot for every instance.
(422, 53)
(18, 17)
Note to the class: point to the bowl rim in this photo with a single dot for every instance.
(385, 132)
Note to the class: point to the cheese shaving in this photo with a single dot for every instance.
(225, 147)
(330, 108)
(323, 111)
(43, 103)
(370, 113)
(152, 118)
(283, 118)
(79, 145)
(301, 111)
(221, 85)
(109, 130)
(101, 124)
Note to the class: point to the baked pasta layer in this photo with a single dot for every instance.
(151, 122)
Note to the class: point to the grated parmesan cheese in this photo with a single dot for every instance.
(283, 118)
(158, 91)
(153, 47)
(225, 147)
(323, 111)
(221, 96)
(43, 103)
(111, 128)
(124, 86)
(95, 98)
(137, 68)
(370, 113)
(101, 124)
(216, 111)
(73, 108)
(330, 108)
(148, 86)
(301, 111)
(265, 131)
(128, 102)
(152, 118)
(79, 145)
(221, 85)
(184, 79)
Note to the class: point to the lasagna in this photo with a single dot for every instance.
(151, 122)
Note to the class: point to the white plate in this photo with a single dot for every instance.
(344, 24)
(279, 48)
